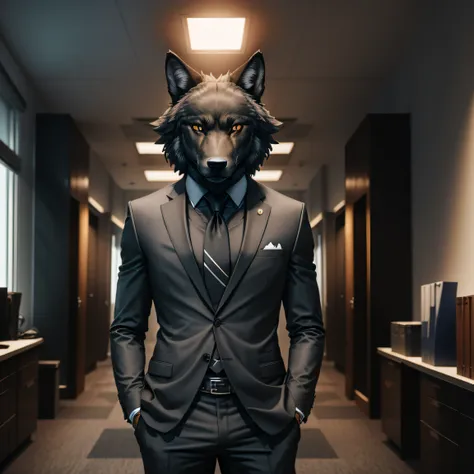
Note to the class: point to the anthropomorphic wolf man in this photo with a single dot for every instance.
(217, 253)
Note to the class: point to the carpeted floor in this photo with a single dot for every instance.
(90, 436)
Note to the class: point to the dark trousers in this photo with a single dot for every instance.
(217, 428)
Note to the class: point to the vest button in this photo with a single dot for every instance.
(206, 357)
(217, 322)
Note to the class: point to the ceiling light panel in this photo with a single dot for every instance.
(170, 176)
(161, 175)
(268, 175)
(282, 148)
(149, 148)
(216, 34)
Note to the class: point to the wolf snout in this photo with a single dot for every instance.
(217, 163)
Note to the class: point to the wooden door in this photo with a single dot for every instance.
(340, 295)
(104, 282)
(92, 321)
(360, 303)
(77, 278)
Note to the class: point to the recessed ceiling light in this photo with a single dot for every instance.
(268, 175)
(168, 176)
(283, 148)
(216, 34)
(96, 205)
(149, 148)
(314, 222)
(161, 175)
(339, 206)
(117, 221)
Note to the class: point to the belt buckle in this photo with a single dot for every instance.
(213, 387)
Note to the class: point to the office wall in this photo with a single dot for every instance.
(103, 189)
(317, 193)
(100, 182)
(25, 209)
(435, 84)
(118, 201)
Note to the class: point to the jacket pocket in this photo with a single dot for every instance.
(271, 253)
(160, 368)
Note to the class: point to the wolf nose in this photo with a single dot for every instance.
(217, 163)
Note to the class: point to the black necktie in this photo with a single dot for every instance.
(216, 250)
(216, 259)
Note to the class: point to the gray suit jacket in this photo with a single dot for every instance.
(158, 265)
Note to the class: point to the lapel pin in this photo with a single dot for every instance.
(260, 212)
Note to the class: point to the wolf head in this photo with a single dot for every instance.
(216, 129)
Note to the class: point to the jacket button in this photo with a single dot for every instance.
(217, 322)
(206, 357)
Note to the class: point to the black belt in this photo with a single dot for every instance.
(216, 385)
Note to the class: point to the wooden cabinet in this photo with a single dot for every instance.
(439, 455)
(400, 406)
(447, 427)
(428, 412)
(18, 400)
(27, 383)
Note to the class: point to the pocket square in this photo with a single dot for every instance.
(271, 246)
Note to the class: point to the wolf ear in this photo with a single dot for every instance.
(180, 76)
(251, 76)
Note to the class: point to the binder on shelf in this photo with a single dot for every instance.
(438, 323)
(463, 336)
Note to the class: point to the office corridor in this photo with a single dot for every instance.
(90, 436)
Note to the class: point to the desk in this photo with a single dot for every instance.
(18, 393)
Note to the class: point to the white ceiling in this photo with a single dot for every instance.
(102, 61)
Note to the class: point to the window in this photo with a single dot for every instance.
(8, 125)
(8, 198)
(116, 261)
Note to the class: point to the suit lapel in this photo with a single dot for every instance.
(257, 215)
(175, 217)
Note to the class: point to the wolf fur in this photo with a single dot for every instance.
(216, 105)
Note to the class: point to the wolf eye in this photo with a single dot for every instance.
(197, 128)
(237, 127)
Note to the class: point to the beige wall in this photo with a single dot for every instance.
(104, 190)
(100, 182)
(436, 85)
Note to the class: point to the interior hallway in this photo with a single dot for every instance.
(90, 436)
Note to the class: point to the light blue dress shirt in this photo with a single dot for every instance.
(195, 192)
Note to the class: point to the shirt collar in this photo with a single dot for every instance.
(196, 191)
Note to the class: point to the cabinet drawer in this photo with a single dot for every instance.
(8, 367)
(438, 455)
(466, 435)
(28, 357)
(8, 398)
(438, 390)
(28, 375)
(440, 417)
(390, 400)
(27, 401)
(8, 437)
(466, 403)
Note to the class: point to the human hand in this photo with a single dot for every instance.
(135, 420)
(298, 418)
